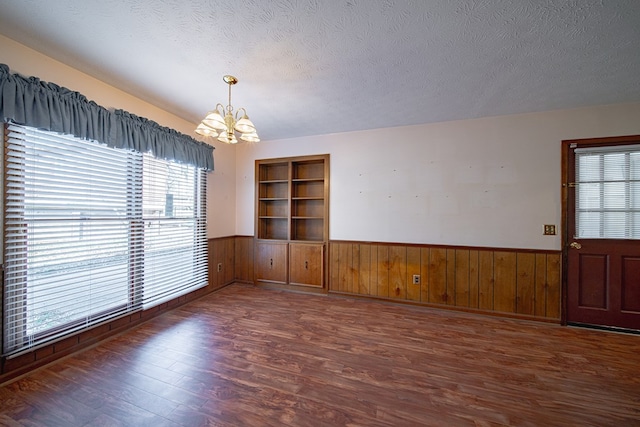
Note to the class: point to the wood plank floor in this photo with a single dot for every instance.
(254, 357)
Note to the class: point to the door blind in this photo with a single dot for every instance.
(608, 192)
(93, 233)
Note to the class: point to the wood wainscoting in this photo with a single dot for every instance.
(514, 282)
(244, 259)
(221, 253)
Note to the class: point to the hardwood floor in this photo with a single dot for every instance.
(247, 356)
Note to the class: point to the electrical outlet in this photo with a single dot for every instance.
(219, 266)
(416, 279)
(549, 230)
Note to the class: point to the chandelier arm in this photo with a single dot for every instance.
(222, 109)
(238, 112)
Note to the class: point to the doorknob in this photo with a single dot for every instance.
(575, 245)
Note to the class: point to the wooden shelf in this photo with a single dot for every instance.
(274, 172)
(308, 170)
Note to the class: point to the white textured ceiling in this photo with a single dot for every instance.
(310, 67)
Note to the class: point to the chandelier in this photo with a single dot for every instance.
(222, 122)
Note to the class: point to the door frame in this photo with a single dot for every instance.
(567, 145)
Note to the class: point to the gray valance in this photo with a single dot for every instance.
(144, 135)
(30, 101)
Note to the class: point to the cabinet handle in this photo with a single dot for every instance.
(271, 263)
(306, 265)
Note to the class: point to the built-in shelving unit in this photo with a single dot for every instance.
(292, 206)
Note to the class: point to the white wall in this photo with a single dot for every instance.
(220, 183)
(488, 182)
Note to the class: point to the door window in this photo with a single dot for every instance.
(607, 192)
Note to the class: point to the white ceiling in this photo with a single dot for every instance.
(310, 67)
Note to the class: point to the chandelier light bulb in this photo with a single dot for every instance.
(214, 120)
(244, 125)
(204, 130)
(250, 137)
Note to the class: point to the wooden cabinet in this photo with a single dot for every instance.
(292, 214)
(271, 262)
(306, 264)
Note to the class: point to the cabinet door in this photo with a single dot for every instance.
(271, 262)
(306, 264)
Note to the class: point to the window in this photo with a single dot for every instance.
(93, 233)
(174, 227)
(608, 192)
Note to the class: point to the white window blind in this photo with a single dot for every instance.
(608, 192)
(93, 233)
(175, 246)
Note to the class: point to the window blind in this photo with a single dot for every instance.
(93, 233)
(608, 192)
(175, 246)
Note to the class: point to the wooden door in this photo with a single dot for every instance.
(306, 264)
(602, 243)
(271, 262)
